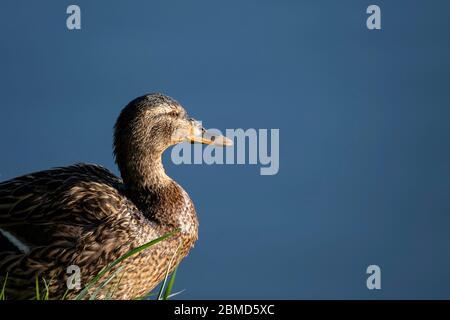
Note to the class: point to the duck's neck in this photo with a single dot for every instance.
(145, 181)
(145, 172)
(157, 196)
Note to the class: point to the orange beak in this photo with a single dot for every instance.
(198, 134)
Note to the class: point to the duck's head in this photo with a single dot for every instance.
(146, 127)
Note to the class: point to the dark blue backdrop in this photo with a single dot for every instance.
(363, 117)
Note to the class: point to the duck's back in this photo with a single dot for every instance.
(57, 194)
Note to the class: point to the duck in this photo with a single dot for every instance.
(83, 215)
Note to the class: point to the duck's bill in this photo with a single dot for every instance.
(198, 134)
(206, 137)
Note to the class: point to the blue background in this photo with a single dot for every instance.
(363, 116)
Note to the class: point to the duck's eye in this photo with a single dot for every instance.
(173, 113)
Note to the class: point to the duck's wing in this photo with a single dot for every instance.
(50, 218)
(42, 208)
(74, 194)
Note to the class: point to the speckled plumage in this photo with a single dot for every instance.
(84, 215)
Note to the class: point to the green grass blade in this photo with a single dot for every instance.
(161, 289)
(175, 293)
(65, 294)
(104, 283)
(38, 295)
(46, 285)
(111, 292)
(2, 293)
(168, 290)
(134, 251)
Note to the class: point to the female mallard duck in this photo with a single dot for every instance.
(85, 216)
